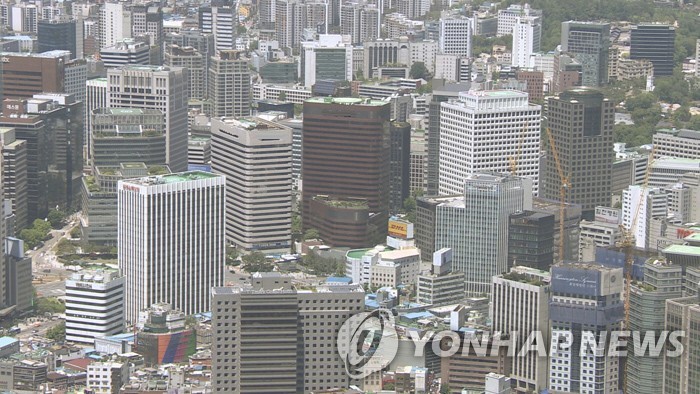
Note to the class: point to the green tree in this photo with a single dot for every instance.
(56, 218)
(57, 332)
(311, 233)
(51, 305)
(282, 96)
(42, 226)
(231, 255)
(409, 207)
(256, 262)
(419, 71)
(694, 123)
(31, 237)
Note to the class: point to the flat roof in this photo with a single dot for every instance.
(173, 178)
(347, 101)
(6, 341)
(357, 253)
(683, 249)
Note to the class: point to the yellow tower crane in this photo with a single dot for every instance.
(563, 188)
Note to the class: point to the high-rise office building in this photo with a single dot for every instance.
(256, 158)
(328, 58)
(455, 35)
(61, 34)
(527, 34)
(681, 143)
(441, 286)
(662, 281)
(531, 239)
(656, 43)
(585, 304)
(127, 135)
(161, 88)
(273, 338)
(476, 227)
(24, 75)
(520, 305)
(219, 20)
(94, 305)
(14, 177)
(346, 152)
(440, 95)
(229, 84)
(125, 52)
(679, 371)
(468, 127)
(400, 165)
(589, 44)
(115, 23)
(95, 97)
(171, 240)
(507, 18)
(360, 21)
(52, 125)
(644, 203)
(288, 23)
(147, 20)
(194, 62)
(584, 147)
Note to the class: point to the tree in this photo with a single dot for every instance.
(31, 237)
(42, 226)
(282, 96)
(311, 233)
(57, 333)
(231, 255)
(409, 207)
(419, 71)
(50, 305)
(256, 262)
(694, 123)
(56, 218)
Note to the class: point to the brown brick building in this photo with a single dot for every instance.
(24, 75)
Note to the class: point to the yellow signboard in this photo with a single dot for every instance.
(398, 229)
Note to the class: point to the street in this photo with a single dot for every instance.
(45, 265)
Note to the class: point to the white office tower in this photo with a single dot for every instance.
(95, 97)
(94, 305)
(171, 240)
(455, 35)
(115, 23)
(276, 339)
(507, 18)
(476, 226)
(585, 307)
(221, 22)
(646, 203)
(697, 58)
(155, 87)
(256, 157)
(527, 34)
(328, 58)
(484, 131)
(520, 304)
(124, 52)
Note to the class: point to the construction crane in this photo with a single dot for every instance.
(513, 160)
(626, 244)
(563, 188)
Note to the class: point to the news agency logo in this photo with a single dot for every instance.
(367, 342)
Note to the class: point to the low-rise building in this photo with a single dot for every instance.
(441, 286)
(107, 377)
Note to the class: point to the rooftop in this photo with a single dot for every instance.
(173, 178)
(346, 101)
(683, 249)
(6, 341)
